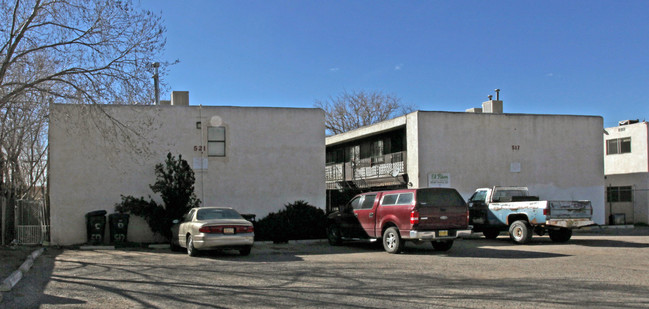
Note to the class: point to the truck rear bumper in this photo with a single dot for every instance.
(438, 234)
(569, 223)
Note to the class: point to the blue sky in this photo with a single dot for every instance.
(548, 57)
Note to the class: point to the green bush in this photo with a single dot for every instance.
(175, 184)
(296, 221)
(153, 214)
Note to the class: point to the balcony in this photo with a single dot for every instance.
(360, 171)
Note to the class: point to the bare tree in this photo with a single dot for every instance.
(66, 51)
(352, 110)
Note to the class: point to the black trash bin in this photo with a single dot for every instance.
(118, 227)
(95, 226)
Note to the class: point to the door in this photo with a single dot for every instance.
(184, 226)
(349, 224)
(366, 214)
(478, 208)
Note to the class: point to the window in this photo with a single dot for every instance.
(405, 199)
(355, 203)
(377, 148)
(619, 194)
(368, 201)
(390, 199)
(439, 197)
(398, 199)
(209, 214)
(479, 196)
(618, 145)
(188, 216)
(216, 141)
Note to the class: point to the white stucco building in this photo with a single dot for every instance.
(254, 159)
(626, 165)
(556, 156)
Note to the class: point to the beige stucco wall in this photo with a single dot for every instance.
(635, 162)
(274, 156)
(560, 157)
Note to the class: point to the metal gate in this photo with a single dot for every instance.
(32, 222)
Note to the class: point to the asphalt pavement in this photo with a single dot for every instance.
(595, 269)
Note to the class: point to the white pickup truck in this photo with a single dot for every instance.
(512, 209)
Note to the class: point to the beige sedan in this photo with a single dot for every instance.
(209, 228)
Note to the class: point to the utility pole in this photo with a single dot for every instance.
(156, 83)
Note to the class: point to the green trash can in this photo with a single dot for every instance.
(96, 226)
(118, 227)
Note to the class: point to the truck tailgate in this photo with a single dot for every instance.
(441, 210)
(442, 217)
(569, 210)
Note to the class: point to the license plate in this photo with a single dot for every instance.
(228, 230)
(442, 233)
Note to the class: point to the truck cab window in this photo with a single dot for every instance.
(479, 196)
(368, 201)
(354, 204)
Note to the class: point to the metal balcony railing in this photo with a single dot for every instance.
(374, 167)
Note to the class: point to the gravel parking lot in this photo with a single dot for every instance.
(593, 270)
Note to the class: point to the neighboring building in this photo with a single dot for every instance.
(626, 166)
(254, 159)
(556, 156)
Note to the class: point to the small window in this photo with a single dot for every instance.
(619, 194)
(618, 145)
(216, 141)
(188, 216)
(390, 199)
(368, 201)
(479, 196)
(405, 199)
(355, 203)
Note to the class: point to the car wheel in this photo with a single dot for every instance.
(520, 232)
(333, 235)
(560, 235)
(191, 250)
(245, 251)
(392, 242)
(491, 234)
(443, 245)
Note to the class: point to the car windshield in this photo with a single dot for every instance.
(209, 214)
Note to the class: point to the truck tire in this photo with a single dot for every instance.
(491, 233)
(443, 245)
(333, 235)
(392, 242)
(560, 235)
(520, 232)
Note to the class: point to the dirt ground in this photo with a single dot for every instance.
(11, 258)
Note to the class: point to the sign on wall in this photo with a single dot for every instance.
(200, 164)
(439, 180)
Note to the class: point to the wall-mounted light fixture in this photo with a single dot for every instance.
(198, 124)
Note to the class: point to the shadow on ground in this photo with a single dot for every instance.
(29, 292)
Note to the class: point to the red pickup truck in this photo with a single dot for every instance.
(438, 215)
